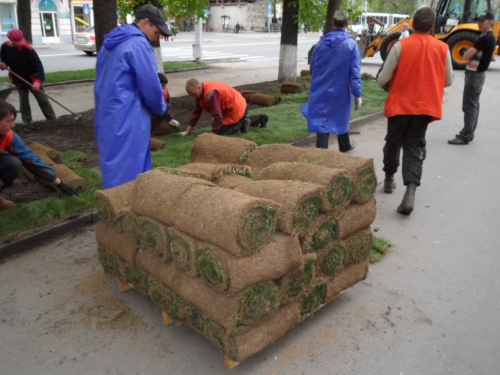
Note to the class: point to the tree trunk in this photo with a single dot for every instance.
(105, 17)
(287, 70)
(24, 19)
(333, 5)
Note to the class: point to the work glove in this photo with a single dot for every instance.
(184, 133)
(3, 65)
(357, 103)
(66, 189)
(174, 123)
(36, 85)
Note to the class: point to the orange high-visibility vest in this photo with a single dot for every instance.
(417, 85)
(6, 140)
(233, 104)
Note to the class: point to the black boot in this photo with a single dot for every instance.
(389, 184)
(406, 206)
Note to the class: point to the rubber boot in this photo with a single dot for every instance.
(389, 184)
(5, 204)
(406, 206)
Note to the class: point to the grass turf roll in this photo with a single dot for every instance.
(296, 281)
(212, 148)
(266, 155)
(358, 246)
(230, 275)
(128, 223)
(355, 218)
(115, 242)
(347, 278)
(208, 171)
(231, 181)
(291, 87)
(45, 152)
(313, 298)
(153, 237)
(336, 182)
(112, 264)
(319, 235)
(361, 170)
(69, 176)
(111, 201)
(183, 249)
(236, 222)
(164, 128)
(330, 261)
(156, 144)
(137, 278)
(157, 194)
(167, 300)
(298, 202)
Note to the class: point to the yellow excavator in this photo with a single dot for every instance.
(456, 25)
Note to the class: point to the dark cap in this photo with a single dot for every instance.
(341, 15)
(154, 15)
(163, 78)
(486, 15)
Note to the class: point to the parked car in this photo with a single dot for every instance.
(85, 41)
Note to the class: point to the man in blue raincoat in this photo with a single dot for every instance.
(127, 92)
(336, 83)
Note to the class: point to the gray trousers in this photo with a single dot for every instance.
(43, 102)
(473, 86)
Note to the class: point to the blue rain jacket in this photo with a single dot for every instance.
(127, 92)
(336, 81)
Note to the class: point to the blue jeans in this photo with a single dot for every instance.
(473, 86)
(343, 139)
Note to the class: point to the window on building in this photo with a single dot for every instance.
(7, 17)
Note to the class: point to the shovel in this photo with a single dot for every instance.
(77, 117)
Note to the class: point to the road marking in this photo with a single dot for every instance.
(63, 54)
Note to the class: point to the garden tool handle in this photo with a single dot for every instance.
(41, 92)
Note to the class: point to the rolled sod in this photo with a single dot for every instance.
(183, 249)
(355, 218)
(54, 156)
(296, 281)
(231, 181)
(128, 223)
(110, 201)
(167, 300)
(116, 243)
(361, 170)
(157, 194)
(164, 128)
(298, 201)
(319, 235)
(236, 222)
(153, 236)
(261, 99)
(137, 278)
(347, 278)
(208, 171)
(266, 155)
(305, 73)
(156, 144)
(330, 260)
(211, 148)
(313, 298)
(291, 88)
(69, 176)
(112, 264)
(228, 274)
(358, 246)
(336, 181)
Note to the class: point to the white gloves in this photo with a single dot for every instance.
(184, 133)
(174, 123)
(357, 103)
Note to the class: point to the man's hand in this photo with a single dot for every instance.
(66, 189)
(184, 133)
(3, 65)
(357, 103)
(174, 123)
(36, 85)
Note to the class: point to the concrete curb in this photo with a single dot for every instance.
(47, 235)
(92, 218)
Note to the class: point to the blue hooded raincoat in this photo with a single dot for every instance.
(127, 92)
(336, 81)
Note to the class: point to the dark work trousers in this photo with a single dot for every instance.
(43, 102)
(231, 129)
(10, 168)
(407, 132)
(473, 85)
(343, 140)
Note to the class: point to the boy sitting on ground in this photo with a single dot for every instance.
(167, 124)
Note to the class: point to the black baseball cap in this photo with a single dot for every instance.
(486, 15)
(163, 78)
(154, 15)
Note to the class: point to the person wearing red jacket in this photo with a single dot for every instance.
(19, 56)
(14, 154)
